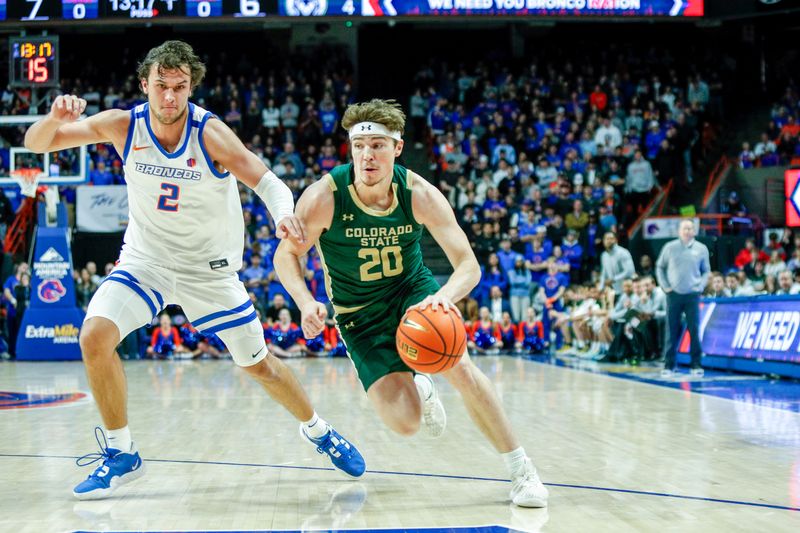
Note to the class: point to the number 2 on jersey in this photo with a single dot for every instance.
(383, 257)
(164, 201)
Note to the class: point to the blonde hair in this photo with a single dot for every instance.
(386, 112)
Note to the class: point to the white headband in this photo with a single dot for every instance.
(373, 128)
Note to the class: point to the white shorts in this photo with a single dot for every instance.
(214, 302)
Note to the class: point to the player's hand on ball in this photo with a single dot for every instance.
(291, 227)
(67, 108)
(313, 319)
(437, 301)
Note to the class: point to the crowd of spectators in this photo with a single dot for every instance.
(562, 130)
(773, 269)
(779, 143)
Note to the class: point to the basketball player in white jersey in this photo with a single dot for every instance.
(183, 245)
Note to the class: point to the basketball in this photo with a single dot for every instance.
(431, 341)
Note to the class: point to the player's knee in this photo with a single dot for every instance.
(98, 338)
(463, 375)
(264, 371)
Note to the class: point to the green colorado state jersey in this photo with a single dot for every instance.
(370, 256)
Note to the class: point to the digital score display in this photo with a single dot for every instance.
(33, 61)
(79, 9)
(74, 10)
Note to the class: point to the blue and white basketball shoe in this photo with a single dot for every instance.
(344, 455)
(117, 468)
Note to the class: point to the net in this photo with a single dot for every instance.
(28, 180)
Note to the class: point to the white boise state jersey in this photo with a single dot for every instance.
(184, 213)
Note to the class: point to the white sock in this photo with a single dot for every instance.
(515, 462)
(424, 386)
(316, 427)
(119, 439)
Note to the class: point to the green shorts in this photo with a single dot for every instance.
(369, 333)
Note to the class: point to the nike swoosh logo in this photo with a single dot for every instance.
(256, 354)
(414, 325)
(137, 148)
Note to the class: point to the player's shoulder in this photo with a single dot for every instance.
(417, 183)
(318, 197)
(216, 130)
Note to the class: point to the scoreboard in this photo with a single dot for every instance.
(75, 10)
(32, 11)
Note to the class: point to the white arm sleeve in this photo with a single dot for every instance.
(276, 195)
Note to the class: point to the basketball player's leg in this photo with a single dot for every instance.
(125, 301)
(220, 305)
(397, 401)
(99, 339)
(405, 401)
(369, 336)
(249, 351)
(485, 409)
(482, 404)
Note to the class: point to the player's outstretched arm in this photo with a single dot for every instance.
(433, 211)
(227, 151)
(315, 211)
(60, 128)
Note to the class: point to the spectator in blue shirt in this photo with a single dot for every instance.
(503, 146)
(492, 276)
(101, 175)
(328, 116)
(507, 256)
(652, 140)
(573, 253)
(537, 258)
(552, 288)
(254, 277)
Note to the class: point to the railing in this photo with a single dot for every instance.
(661, 196)
(716, 223)
(715, 178)
(16, 241)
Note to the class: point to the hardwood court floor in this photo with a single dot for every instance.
(618, 455)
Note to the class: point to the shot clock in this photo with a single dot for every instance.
(33, 61)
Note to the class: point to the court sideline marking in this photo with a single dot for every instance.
(441, 476)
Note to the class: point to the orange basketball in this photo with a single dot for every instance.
(431, 341)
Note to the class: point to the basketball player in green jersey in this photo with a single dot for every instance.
(366, 219)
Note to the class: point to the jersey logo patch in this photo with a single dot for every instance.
(137, 148)
(191, 162)
(218, 263)
(348, 217)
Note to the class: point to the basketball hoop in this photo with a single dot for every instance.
(27, 179)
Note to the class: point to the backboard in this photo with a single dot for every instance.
(66, 167)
